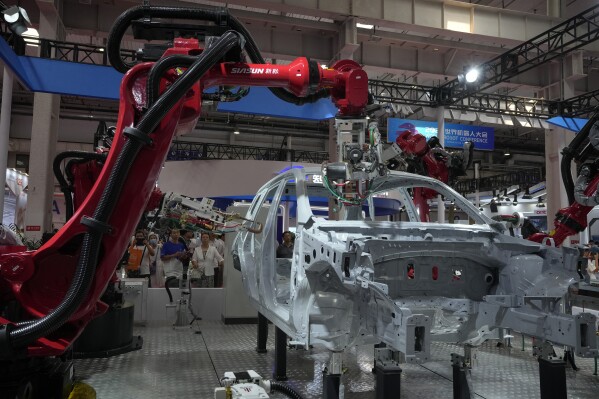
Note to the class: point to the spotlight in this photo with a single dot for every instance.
(236, 131)
(472, 75)
(515, 199)
(540, 203)
(507, 153)
(493, 205)
(527, 194)
(17, 19)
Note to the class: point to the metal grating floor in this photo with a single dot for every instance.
(185, 365)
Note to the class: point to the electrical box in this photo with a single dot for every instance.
(135, 291)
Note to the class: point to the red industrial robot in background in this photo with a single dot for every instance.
(428, 158)
(582, 194)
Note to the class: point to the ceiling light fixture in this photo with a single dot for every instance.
(364, 26)
(527, 194)
(515, 199)
(236, 131)
(472, 75)
(16, 18)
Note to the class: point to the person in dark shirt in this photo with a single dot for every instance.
(185, 239)
(171, 254)
(285, 250)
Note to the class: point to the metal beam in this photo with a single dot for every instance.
(570, 35)
(524, 178)
(429, 96)
(580, 105)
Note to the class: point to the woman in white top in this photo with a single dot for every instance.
(205, 258)
(593, 263)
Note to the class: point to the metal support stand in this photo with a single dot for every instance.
(262, 333)
(461, 373)
(507, 338)
(388, 373)
(552, 373)
(182, 318)
(331, 377)
(280, 372)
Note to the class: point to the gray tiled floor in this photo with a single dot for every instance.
(185, 365)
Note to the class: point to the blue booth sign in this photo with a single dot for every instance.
(455, 135)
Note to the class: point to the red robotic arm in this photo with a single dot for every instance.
(582, 194)
(59, 285)
(430, 159)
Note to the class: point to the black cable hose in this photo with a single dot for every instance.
(124, 20)
(168, 289)
(177, 90)
(65, 187)
(90, 248)
(158, 69)
(90, 251)
(284, 389)
(572, 151)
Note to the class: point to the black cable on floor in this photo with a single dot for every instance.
(447, 378)
(212, 361)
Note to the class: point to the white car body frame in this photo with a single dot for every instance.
(348, 281)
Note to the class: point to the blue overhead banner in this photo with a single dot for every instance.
(573, 124)
(483, 137)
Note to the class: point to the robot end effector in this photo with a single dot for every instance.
(411, 144)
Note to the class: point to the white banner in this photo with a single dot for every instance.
(16, 181)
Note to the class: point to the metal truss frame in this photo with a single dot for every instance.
(429, 96)
(185, 151)
(523, 178)
(565, 37)
(580, 105)
(561, 39)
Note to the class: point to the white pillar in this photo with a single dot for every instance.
(441, 137)
(477, 181)
(554, 8)
(556, 139)
(7, 83)
(44, 135)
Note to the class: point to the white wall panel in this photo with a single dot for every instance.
(264, 38)
(368, 8)
(336, 6)
(430, 62)
(457, 18)
(320, 47)
(403, 58)
(485, 23)
(286, 42)
(398, 11)
(535, 27)
(301, 3)
(512, 26)
(373, 54)
(227, 177)
(428, 13)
